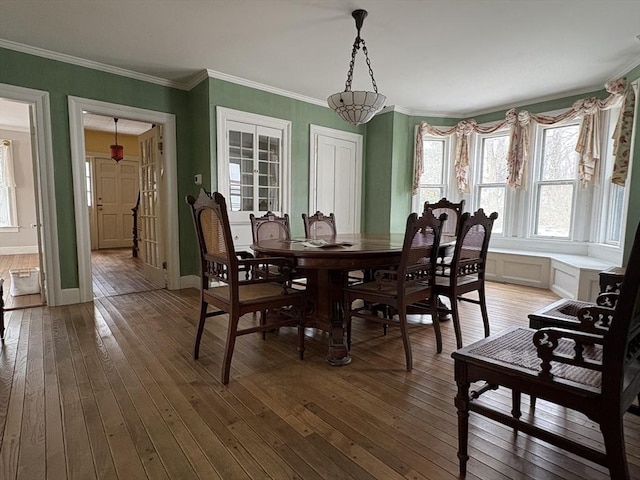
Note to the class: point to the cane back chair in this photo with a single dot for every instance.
(319, 225)
(594, 369)
(453, 210)
(230, 284)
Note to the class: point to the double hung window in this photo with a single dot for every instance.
(435, 168)
(555, 183)
(491, 189)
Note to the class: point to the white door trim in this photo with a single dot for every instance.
(314, 132)
(45, 180)
(76, 129)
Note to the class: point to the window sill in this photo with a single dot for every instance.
(9, 229)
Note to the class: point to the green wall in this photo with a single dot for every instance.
(62, 80)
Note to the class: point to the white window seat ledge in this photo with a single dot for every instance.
(567, 275)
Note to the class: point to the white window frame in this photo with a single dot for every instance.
(578, 230)
(226, 119)
(509, 200)
(448, 175)
(12, 204)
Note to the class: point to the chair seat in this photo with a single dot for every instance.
(515, 348)
(444, 281)
(386, 289)
(257, 292)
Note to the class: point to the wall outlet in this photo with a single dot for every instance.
(197, 179)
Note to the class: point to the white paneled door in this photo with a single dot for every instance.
(116, 195)
(336, 176)
(150, 212)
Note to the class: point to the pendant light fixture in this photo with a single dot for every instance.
(357, 107)
(117, 151)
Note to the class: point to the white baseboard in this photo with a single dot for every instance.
(69, 296)
(190, 281)
(18, 250)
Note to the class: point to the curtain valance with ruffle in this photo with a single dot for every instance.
(519, 123)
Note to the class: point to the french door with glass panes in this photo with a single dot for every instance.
(254, 171)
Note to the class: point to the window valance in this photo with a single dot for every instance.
(519, 123)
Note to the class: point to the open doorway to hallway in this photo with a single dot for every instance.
(118, 225)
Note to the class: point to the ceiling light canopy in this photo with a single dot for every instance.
(357, 107)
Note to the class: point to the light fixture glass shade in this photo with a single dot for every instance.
(117, 152)
(356, 107)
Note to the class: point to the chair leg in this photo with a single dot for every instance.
(301, 340)
(483, 310)
(462, 404)
(402, 317)
(433, 304)
(613, 434)
(456, 321)
(203, 317)
(229, 347)
(263, 322)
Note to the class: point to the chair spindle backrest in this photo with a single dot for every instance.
(453, 211)
(319, 225)
(269, 227)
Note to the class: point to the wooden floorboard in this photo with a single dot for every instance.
(109, 389)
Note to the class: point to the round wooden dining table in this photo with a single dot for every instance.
(327, 267)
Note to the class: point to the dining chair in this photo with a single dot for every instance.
(223, 287)
(319, 224)
(465, 272)
(273, 227)
(452, 209)
(412, 281)
(593, 369)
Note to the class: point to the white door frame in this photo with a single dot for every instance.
(314, 131)
(83, 238)
(39, 100)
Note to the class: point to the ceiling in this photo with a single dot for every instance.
(430, 57)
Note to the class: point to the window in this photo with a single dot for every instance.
(613, 196)
(88, 181)
(253, 163)
(433, 185)
(555, 182)
(8, 215)
(492, 172)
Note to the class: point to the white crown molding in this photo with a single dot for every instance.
(81, 62)
(624, 70)
(265, 88)
(208, 73)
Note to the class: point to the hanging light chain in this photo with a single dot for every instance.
(356, 47)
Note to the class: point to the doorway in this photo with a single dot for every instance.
(22, 256)
(113, 194)
(167, 188)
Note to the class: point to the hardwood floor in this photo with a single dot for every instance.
(117, 272)
(109, 389)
